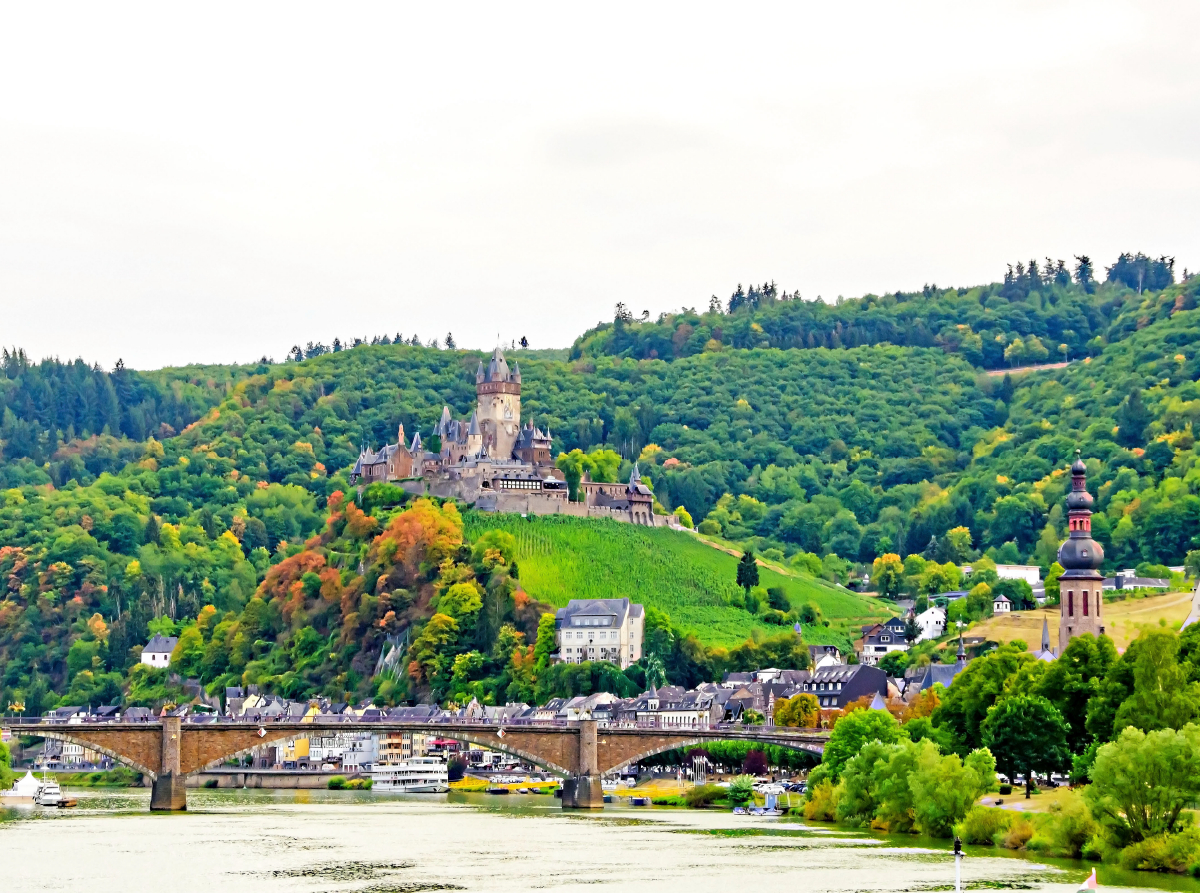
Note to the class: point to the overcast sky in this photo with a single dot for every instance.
(209, 182)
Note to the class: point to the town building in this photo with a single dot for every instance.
(918, 679)
(932, 622)
(607, 629)
(879, 639)
(824, 656)
(157, 652)
(1081, 589)
(835, 687)
(1030, 573)
(1128, 579)
(496, 463)
(1001, 604)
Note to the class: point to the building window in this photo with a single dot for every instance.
(1070, 603)
(1084, 598)
(885, 638)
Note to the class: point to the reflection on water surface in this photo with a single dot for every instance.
(347, 842)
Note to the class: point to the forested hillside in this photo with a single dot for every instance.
(134, 495)
(1038, 313)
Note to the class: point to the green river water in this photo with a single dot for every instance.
(343, 842)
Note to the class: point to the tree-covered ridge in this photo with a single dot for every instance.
(1037, 314)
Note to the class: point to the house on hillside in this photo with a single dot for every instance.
(157, 652)
(932, 622)
(879, 639)
(1001, 605)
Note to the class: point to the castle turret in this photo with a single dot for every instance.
(1081, 586)
(474, 436)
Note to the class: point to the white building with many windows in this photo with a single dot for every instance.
(608, 629)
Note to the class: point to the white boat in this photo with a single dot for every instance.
(22, 793)
(419, 775)
(48, 793)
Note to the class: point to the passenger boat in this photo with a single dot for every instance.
(419, 775)
(48, 793)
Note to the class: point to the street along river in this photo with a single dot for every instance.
(342, 842)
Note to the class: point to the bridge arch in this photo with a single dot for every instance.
(123, 759)
(491, 742)
(686, 742)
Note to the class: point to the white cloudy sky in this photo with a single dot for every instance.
(211, 182)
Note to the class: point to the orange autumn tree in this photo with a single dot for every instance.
(284, 582)
(415, 543)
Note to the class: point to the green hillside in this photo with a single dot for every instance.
(834, 434)
(561, 558)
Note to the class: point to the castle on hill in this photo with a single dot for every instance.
(498, 464)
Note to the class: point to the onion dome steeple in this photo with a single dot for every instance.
(1080, 552)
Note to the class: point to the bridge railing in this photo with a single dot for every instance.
(332, 721)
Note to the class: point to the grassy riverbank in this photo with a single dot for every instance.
(120, 777)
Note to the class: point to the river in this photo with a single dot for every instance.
(344, 842)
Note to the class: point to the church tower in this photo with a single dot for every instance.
(498, 406)
(1081, 589)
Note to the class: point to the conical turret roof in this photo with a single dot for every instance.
(498, 368)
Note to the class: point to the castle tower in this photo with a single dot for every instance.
(498, 406)
(1081, 589)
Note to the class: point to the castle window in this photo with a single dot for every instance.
(1083, 596)
(1070, 603)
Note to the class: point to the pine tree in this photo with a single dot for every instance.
(747, 571)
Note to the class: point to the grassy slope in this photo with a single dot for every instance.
(562, 558)
(1123, 620)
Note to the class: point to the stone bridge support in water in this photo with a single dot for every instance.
(583, 789)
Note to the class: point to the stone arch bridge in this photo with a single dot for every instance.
(170, 750)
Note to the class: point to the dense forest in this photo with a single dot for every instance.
(133, 496)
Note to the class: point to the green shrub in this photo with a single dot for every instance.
(1005, 790)
(983, 825)
(359, 784)
(337, 783)
(1095, 849)
(741, 790)
(1165, 852)
(1070, 826)
(703, 795)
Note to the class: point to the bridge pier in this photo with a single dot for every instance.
(583, 790)
(168, 793)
